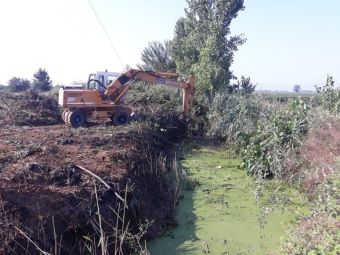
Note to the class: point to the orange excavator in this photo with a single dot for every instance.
(103, 97)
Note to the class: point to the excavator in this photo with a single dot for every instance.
(103, 97)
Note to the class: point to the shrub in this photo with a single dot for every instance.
(318, 154)
(233, 118)
(262, 131)
(18, 84)
(330, 96)
(276, 135)
(319, 232)
(244, 86)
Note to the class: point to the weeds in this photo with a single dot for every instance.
(28, 108)
(298, 142)
(319, 232)
(263, 133)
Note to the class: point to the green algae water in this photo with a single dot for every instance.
(221, 214)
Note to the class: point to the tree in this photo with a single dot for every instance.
(243, 86)
(41, 80)
(16, 84)
(203, 45)
(157, 57)
(297, 88)
(3, 87)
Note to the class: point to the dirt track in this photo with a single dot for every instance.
(48, 196)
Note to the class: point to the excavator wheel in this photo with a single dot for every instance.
(120, 118)
(66, 119)
(63, 115)
(76, 119)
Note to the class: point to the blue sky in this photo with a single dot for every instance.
(288, 42)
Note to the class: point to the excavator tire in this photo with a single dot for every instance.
(66, 117)
(120, 118)
(76, 119)
(63, 115)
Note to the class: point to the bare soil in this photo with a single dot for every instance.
(49, 203)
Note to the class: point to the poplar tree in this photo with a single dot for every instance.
(203, 44)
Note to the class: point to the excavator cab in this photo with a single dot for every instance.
(100, 80)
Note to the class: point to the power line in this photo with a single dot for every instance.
(106, 33)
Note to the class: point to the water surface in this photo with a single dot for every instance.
(221, 214)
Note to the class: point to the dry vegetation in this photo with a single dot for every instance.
(81, 191)
(28, 109)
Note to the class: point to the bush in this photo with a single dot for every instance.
(232, 116)
(330, 96)
(319, 232)
(244, 86)
(18, 84)
(264, 133)
(276, 135)
(28, 108)
(316, 158)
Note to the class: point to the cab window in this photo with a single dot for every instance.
(109, 79)
(101, 80)
(91, 84)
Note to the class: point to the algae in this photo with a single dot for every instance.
(221, 215)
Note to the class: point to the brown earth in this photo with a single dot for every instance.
(48, 202)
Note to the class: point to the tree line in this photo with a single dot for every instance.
(41, 82)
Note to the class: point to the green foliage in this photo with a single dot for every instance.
(202, 44)
(330, 96)
(275, 136)
(41, 80)
(198, 122)
(233, 118)
(156, 96)
(264, 133)
(318, 233)
(243, 86)
(157, 57)
(18, 84)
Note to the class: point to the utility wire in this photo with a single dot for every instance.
(106, 33)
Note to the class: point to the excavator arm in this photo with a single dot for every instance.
(122, 84)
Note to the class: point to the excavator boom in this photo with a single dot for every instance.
(123, 83)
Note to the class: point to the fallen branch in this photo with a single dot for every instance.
(94, 175)
(29, 239)
(102, 181)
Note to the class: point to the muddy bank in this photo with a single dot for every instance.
(76, 191)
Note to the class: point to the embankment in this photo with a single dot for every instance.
(75, 191)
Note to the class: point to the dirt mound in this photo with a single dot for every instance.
(29, 108)
(75, 191)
